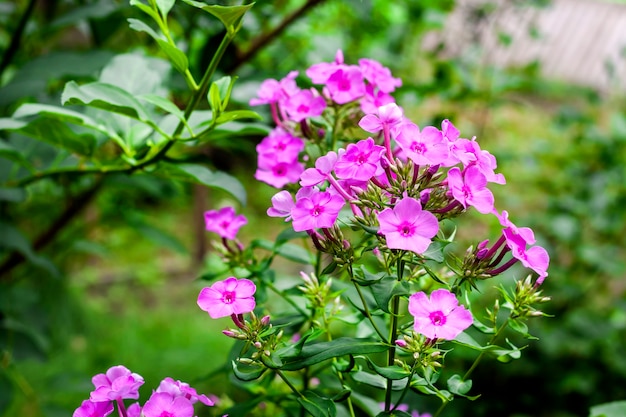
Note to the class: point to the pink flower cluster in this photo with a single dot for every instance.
(172, 398)
(448, 174)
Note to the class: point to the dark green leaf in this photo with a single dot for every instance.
(457, 386)
(228, 15)
(317, 406)
(14, 195)
(385, 289)
(202, 175)
(518, 326)
(435, 251)
(312, 354)
(377, 381)
(388, 372)
(176, 56)
(146, 9)
(106, 97)
(342, 395)
(13, 239)
(9, 152)
(246, 372)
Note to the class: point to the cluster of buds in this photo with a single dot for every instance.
(526, 295)
(320, 295)
(423, 351)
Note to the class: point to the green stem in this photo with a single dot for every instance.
(16, 38)
(393, 334)
(289, 384)
(289, 300)
(368, 314)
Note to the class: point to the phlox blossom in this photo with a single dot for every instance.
(273, 91)
(406, 226)
(318, 210)
(90, 408)
(279, 141)
(439, 316)
(470, 189)
(163, 404)
(224, 222)
(324, 165)
(376, 74)
(278, 170)
(228, 297)
(360, 161)
(182, 389)
(425, 147)
(346, 84)
(388, 115)
(304, 104)
(117, 383)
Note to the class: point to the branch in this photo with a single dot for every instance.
(17, 37)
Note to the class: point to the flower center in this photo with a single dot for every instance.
(317, 210)
(343, 84)
(228, 297)
(165, 413)
(437, 318)
(418, 147)
(406, 229)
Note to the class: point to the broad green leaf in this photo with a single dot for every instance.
(165, 6)
(519, 326)
(612, 409)
(106, 97)
(247, 373)
(385, 289)
(377, 381)
(465, 339)
(9, 152)
(228, 15)
(317, 406)
(165, 104)
(58, 133)
(388, 372)
(13, 239)
(457, 386)
(483, 327)
(289, 234)
(137, 74)
(202, 175)
(231, 116)
(435, 251)
(312, 354)
(141, 26)
(176, 56)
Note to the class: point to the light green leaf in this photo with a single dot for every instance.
(147, 10)
(228, 15)
(247, 373)
(165, 6)
(106, 97)
(141, 26)
(215, 101)
(202, 175)
(295, 253)
(231, 116)
(176, 56)
(388, 372)
(612, 409)
(457, 386)
(165, 104)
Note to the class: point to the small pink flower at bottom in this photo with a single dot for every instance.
(162, 404)
(94, 409)
(407, 226)
(182, 389)
(224, 222)
(117, 383)
(228, 297)
(440, 316)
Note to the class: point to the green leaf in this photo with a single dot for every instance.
(246, 372)
(519, 326)
(388, 372)
(289, 234)
(295, 253)
(231, 116)
(13, 239)
(141, 26)
(228, 15)
(165, 104)
(312, 354)
(14, 195)
(215, 101)
(612, 409)
(147, 10)
(202, 175)
(483, 328)
(377, 381)
(176, 56)
(385, 289)
(8, 151)
(457, 386)
(165, 6)
(466, 340)
(106, 97)
(317, 406)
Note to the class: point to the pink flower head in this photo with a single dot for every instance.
(427, 147)
(116, 384)
(133, 410)
(346, 84)
(440, 316)
(470, 189)
(407, 226)
(525, 233)
(282, 204)
(319, 73)
(280, 142)
(468, 152)
(389, 115)
(272, 91)
(90, 408)
(324, 165)
(163, 404)
(360, 161)
(228, 297)
(318, 210)
(182, 389)
(278, 170)
(374, 98)
(375, 73)
(517, 239)
(224, 222)
(304, 104)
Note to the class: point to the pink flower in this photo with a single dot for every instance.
(228, 297)
(182, 389)
(427, 147)
(282, 204)
(346, 85)
(163, 404)
(133, 410)
(407, 226)
(304, 104)
(319, 210)
(324, 165)
(94, 409)
(280, 142)
(470, 189)
(373, 99)
(224, 222)
(375, 73)
(360, 161)
(389, 115)
(116, 384)
(278, 171)
(272, 91)
(440, 316)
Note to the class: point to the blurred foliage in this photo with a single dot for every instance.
(114, 266)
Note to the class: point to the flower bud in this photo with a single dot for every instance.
(265, 320)
(401, 343)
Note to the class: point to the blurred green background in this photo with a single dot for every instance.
(117, 284)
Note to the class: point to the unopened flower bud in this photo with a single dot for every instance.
(245, 361)
(265, 320)
(267, 352)
(401, 343)
(230, 333)
(480, 254)
(432, 170)
(258, 345)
